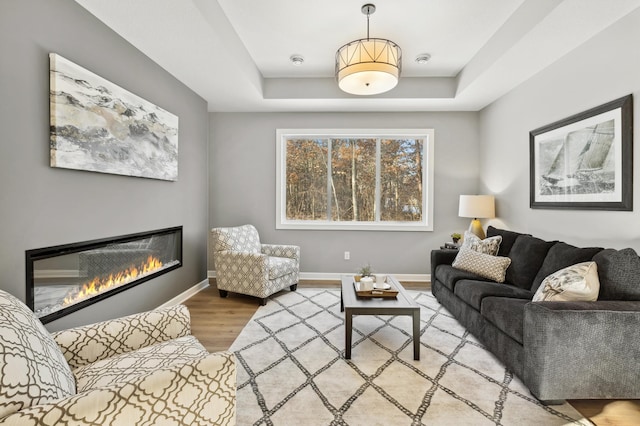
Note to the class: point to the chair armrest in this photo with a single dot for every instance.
(582, 349)
(250, 260)
(199, 392)
(281, 250)
(228, 262)
(441, 257)
(90, 343)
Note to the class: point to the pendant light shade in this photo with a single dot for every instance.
(368, 66)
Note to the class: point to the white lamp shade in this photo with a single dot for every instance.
(368, 66)
(477, 206)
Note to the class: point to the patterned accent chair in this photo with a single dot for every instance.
(144, 369)
(244, 265)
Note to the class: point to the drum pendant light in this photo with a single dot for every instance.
(368, 66)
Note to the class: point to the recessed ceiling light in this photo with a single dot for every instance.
(423, 58)
(296, 60)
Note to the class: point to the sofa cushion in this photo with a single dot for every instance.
(33, 370)
(619, 272)
(485, 265)
(449, 276)
(487, 246)
(527, 256)
(124, 368)
(560, 256)
(472, 292)
(508, 238)
(628, 306)
(574, 283)
(505, 313)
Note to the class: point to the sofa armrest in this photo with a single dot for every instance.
(90, 343)
(582, 350)
(441, 257)
(200, 392)
(281, 250)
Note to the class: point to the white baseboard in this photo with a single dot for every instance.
(335, 276)
(313, 276)
(186, 294)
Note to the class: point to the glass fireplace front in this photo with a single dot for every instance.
(63, 279)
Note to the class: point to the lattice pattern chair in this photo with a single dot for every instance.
(244, 265)
(144, 369)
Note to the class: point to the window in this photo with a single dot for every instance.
(355, 179)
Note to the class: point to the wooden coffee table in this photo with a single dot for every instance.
(403, 304)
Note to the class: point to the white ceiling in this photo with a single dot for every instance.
(235, 53)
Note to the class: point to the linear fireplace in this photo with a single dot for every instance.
(66, 278)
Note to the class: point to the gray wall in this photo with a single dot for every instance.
(42, 206)
(603, 69)
(243, 186)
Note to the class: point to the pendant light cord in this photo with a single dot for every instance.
(368, 24)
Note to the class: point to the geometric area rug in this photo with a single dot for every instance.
(291, 370)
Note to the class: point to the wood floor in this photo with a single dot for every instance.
(216, 322)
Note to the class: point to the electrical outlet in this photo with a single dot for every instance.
(347, 255)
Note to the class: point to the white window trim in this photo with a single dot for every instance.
(427, 180)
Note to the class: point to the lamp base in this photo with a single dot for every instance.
(476, 228)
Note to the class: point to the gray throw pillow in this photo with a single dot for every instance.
(619, 272)
(527, 255)
(485, 265)
(508, 238)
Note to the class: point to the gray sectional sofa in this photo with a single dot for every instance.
(560, 350)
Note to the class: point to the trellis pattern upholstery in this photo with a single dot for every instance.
(145, 369)
(32, 368)
(126, 367)
(244, 265)
(90, 343)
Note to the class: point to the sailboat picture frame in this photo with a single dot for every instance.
(584, 162)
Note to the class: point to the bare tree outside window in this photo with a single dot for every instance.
(355, 181)
(353, 173)
(307, 179)
(401, 180)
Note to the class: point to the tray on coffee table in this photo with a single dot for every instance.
(376, 292)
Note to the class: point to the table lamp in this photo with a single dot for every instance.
(477, 207)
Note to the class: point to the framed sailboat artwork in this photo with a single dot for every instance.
(584, 162)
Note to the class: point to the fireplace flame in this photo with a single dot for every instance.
(103, 283)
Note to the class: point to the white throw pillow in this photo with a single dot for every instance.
(489, 245)
(578, 282)
(485, 265)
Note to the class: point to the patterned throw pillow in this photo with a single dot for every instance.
(33, 370)
(485, 265)
(487, 246)
(575, 283)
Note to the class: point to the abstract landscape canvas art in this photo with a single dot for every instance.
(101, 127)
